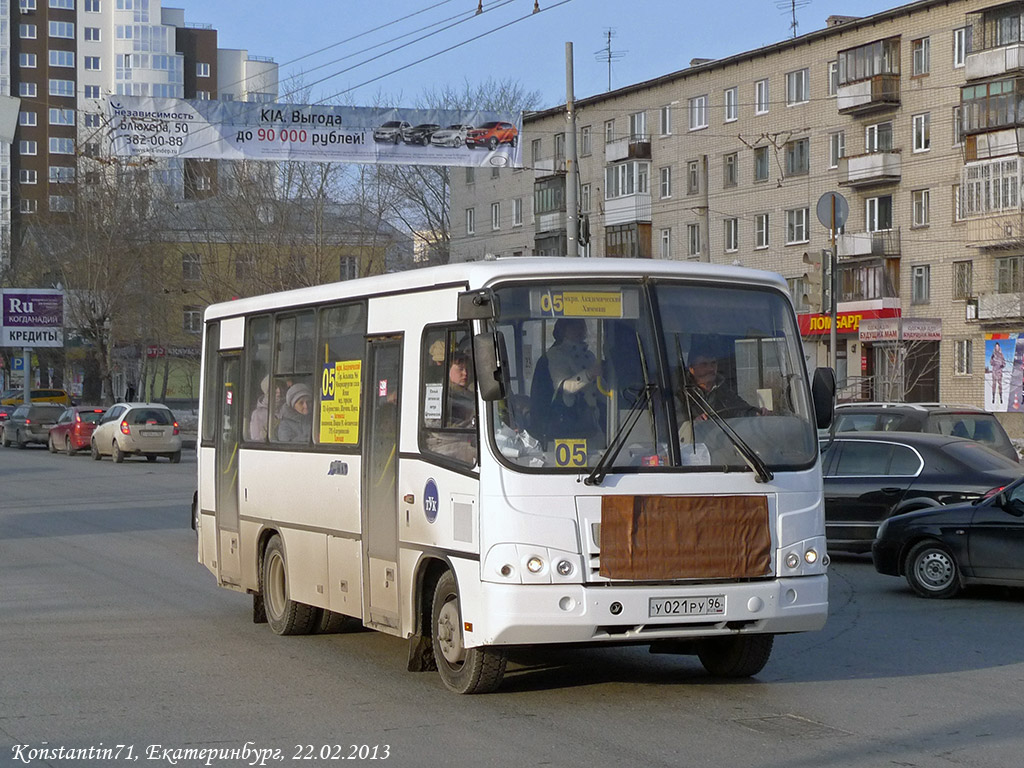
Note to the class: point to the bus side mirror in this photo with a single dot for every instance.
(490, 358)
(823, 395)
(478, 305)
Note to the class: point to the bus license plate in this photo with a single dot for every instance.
(704, 605)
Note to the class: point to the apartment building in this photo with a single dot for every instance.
(914, 115)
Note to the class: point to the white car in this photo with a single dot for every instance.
(391, 131)
(137, 429)
(452, 136)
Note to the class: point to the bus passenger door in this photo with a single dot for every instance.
(380, 486)
(228, 418)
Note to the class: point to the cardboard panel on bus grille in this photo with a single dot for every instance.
(682, 537)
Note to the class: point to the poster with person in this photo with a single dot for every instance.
(1004, 372)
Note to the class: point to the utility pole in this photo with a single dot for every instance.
(572, 209)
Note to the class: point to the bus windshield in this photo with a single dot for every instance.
(649, 376)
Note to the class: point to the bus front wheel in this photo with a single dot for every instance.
(462, 670)
(735, 655)
(284, 615)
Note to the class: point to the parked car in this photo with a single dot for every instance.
(871, 476)
(6, 411)
(940, 551)
(30, 423)
(137, 429)
(391, 131)
(940, 419)
(420, 134)
(452, 136)
(17, 396)
(490, 135)
(73, 430)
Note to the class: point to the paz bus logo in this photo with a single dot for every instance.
(431, 500)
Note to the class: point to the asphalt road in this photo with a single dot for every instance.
(112, 634)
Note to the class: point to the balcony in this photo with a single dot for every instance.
(627, 209)
(1001, 230)
(870, 95)
(1001, 306)
(858, 244)
(871, 168)
(552, 221)
(635, 146)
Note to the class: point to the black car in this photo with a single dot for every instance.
(938, 418)
(420, 134)
(940, 551)
(871, 476)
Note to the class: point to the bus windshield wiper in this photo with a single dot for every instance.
(600, 470)
(694, 394)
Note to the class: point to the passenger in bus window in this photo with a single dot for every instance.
(296, 417)
(461, 392)
(574, 370)
(259, 421)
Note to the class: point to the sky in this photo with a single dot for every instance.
(342, 50)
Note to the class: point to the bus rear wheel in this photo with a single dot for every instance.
(462, 670)
(284, 615)
(736, 655)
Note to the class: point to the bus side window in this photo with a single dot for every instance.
(293, 376)
(260, 397)
(448, 415)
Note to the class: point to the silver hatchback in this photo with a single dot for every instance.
(137, 429)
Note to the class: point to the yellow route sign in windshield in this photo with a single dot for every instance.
(582, 304)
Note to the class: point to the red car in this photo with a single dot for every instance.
(73, 429)
(490, 135)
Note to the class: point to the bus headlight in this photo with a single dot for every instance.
(810, 557)
(535, 564)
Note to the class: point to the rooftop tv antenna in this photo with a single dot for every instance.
(790, 6)
(607, 54)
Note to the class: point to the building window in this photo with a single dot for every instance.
(586, 143)
(609, 131)
(920, 286)
(92, 63)
(836, 148)
(203, 95)
(536, 148)
(1010, 274)
(202, 69)
(28, 176)
(630, 178)
(638, 126)
(92, 34)
(62, 59)
(693, 177)
(59, 146)
(517, 212)
(549, 195)
(28, 206)
(921, 202)
(761, 97)
(665, 177)
(881, 57)
(27, 90)
(27, 147)
(962, 352)
(796, 225)
(666, 244)
(67, 5)
(349, 267)
(693, 239)
(922, 132)
(878, 137)
(958, 132)
(470, 221)
(27, 31)
(798, 292)
(665, 120)
(192, 320)
(963, 280)
(625, 241)
(27, 60)
(833, 78)
(585, 198)
(798, 87)
(495, 216)
(879, 213)
(732, 235)
(62, 116)
(93, 120)
(921, 50)
(761, 159)
(92, 6)
(65, 29)
(495, 172)
(961, 37)
(92, 91)
(798, 161)
(698, 113)
(470, 174)
(27, 5)
(559, 150)
(191, 267)
(61, 203)
(730, 170)
(27, 118)
(62, 88)
(761, 239)
(731, 105)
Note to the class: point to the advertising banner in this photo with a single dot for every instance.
(32, 317)
(237, 130)
(1004, 372)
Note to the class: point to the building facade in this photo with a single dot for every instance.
(914, 116)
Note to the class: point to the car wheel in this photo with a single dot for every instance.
(735, 656)
(492, 143)
(49, 444)
(116, 452)
(514, 142)
(462, 670)
(95, 450)
(5, 442)
(175, 457)
(67, 447)
(397, 137)
(21, 441)
(150, 458)
(931, 570)
(284, 615)
(457, 142)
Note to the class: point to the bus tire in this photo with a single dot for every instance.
(284, 615)
(735, 655)
(462, 670)
(331, 623)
